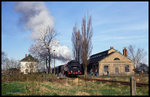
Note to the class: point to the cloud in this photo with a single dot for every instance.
(34, 15)
(61, 52)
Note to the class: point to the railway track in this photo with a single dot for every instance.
(111, 81)
(114, 81)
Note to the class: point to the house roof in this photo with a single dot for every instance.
(29, 58)
(99, 56)
(142, 67)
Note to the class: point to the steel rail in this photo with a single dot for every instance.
(114, 81)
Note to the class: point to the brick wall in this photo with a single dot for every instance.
(113, 64)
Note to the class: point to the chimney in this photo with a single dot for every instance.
(125, 51)
(111, 47)
(25, 55)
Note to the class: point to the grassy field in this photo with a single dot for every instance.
(67, 87)
(139, 78)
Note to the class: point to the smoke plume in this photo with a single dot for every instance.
(35, 16)
(61, 52)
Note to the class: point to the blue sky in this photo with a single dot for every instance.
(116, 24)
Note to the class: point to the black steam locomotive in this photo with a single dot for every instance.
(73, 68)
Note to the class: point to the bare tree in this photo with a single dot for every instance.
(86, 41)
(4, 58)
(137, 56)
(13, 63)
(45, 46)
(77, 43)
(9, 63)
(39, 51)
(47, 39)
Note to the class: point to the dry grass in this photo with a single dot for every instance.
(63, 87)
(82, 93)
(68, 88)
(139, 78)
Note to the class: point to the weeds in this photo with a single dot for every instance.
(46, 84)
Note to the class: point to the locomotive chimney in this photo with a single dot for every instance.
(125, 51)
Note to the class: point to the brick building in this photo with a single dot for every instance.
(111, 62)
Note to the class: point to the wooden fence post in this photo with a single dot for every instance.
(132, 86)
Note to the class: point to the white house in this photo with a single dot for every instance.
(28, 64)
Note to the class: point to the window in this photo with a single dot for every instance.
(105, 68)
(127, 68)
(116, 70)
(116, 59)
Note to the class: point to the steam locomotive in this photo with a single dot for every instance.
(72, 68)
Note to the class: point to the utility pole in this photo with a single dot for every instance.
(54, 61)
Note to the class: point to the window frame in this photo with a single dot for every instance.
(116, 70)
(127, 68)
(105, 68)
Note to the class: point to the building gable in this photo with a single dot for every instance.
(116, 57)
(111, 50)
(99, 56)
(29, 58)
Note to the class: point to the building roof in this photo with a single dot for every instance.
(29, 58)
(99, 56)
(143, 67)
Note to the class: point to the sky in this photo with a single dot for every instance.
(116, 24)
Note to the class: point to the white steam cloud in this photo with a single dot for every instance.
(35, 16)
(61, 52)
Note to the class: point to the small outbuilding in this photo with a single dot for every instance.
(28, 64)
